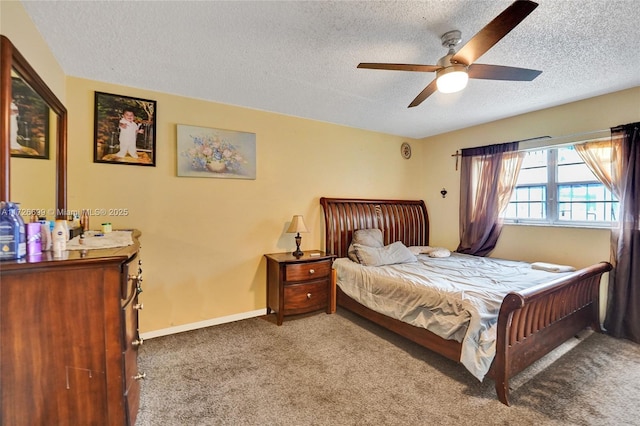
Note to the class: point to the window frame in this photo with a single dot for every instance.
(552, 196)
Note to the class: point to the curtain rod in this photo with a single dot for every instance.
(539, 142)
(543, 141)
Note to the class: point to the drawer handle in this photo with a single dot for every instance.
(138, 342)
(308, 295)
(140, 376)
(138, 306)
(312, 271)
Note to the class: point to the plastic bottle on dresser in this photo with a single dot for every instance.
(45, 230)
(84, 220)
(59, 237)
(14, 212)
(12, 234)
(65, 223)
(8, 242)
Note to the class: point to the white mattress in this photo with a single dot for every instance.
(455, 297)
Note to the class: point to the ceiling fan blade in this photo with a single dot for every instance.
(494, 31)
(399, 67)
(428, 91)
(498, 72)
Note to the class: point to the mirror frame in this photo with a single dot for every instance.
(11, 58)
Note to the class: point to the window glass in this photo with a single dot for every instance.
(574, 173)
(568, 155)
(532, 175)
(560, 174)
(535, 159)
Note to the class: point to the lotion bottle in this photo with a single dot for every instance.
(45, 230)
(59, 238)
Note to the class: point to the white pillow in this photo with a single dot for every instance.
(367, 237)
(387, 255)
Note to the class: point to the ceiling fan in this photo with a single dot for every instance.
(455, 68)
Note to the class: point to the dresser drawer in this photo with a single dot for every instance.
(307, 271)
(306, 297)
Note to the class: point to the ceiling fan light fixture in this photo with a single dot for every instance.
(452, 79)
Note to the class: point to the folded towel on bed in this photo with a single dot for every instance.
(552, 267)
(439, 252)
(430, 251)
(416, 250)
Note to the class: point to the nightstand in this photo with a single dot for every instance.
(297, 285)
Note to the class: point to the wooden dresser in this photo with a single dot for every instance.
(69, 338)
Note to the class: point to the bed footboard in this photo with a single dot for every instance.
(535, 321)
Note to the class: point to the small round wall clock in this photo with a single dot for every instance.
(405, 150)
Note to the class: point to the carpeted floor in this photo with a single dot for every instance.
(340, 369)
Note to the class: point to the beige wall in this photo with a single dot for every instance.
(578, 247)
(204, 239)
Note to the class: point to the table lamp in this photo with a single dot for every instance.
(297, 226)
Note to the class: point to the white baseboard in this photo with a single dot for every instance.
(202, 324)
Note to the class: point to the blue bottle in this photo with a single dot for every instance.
(13, 241)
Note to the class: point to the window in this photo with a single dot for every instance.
(556, 187)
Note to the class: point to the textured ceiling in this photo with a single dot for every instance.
(299, 57)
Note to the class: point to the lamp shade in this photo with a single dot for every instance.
(297, 225)
(452, 79)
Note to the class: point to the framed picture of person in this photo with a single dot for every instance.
(29, 121)
(125, 130)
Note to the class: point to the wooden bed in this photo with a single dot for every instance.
(531, 323)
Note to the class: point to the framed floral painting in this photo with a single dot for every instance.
(215, 153)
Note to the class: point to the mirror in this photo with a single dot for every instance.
(14, 67)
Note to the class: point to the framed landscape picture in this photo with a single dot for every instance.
(125, 130)
(215, 153)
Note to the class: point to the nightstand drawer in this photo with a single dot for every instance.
(299, 298)
(307, 271)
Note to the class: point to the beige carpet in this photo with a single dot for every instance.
(340, 369)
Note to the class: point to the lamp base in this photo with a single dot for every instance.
(298, 252)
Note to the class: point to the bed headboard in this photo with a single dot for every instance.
(399, 220)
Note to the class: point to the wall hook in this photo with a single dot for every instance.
(443, 192)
